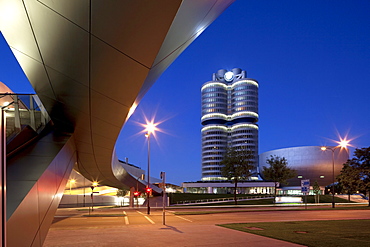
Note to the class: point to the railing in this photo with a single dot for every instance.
(23, 110)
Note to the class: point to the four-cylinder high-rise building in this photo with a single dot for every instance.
(229, 117)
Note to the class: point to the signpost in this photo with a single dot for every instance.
(305, 188)
(163, 177)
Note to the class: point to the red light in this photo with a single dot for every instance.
(148, 190)
(136, 193)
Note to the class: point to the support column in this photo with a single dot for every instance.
(3, 178)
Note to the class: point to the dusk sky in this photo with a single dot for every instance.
(312, 62)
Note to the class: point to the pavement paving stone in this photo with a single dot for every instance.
(71, 228)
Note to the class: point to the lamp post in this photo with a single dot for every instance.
(3, 176)
(148, 179)
(150, 128)
(163, 176)
(342, 144)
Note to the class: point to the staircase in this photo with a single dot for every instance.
(25, 119)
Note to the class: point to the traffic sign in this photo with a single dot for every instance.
(305, 186)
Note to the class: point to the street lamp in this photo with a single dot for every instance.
(342, 144)
(150, 128)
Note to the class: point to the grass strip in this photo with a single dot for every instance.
(197, 197)
(310, 199)
(267, 209)
(312, 233)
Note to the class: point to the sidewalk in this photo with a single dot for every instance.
(176, 235)
(169, 236)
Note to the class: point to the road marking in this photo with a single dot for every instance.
(184, 218)
(146, 217)
(126, 218)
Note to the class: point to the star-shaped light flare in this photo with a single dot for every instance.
(344, 143)
(151, 127)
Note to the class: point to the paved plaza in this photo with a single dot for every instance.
(71, 227)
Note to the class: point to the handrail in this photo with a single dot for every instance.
(21, 111)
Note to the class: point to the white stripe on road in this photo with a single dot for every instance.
(184, 218)
(126, 218)
(146, 217)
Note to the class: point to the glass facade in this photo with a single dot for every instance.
(229, 117)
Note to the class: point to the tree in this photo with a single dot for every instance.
(278, 172)
(361, 162)
(316, 191)
(237, 165)
(121, 193)
(349, 178)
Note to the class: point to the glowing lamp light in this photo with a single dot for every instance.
(95, 184)
(150, 127)
(343, 143)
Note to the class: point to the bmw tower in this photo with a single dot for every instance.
(229, 119)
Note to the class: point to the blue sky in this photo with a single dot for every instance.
(312, 62)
